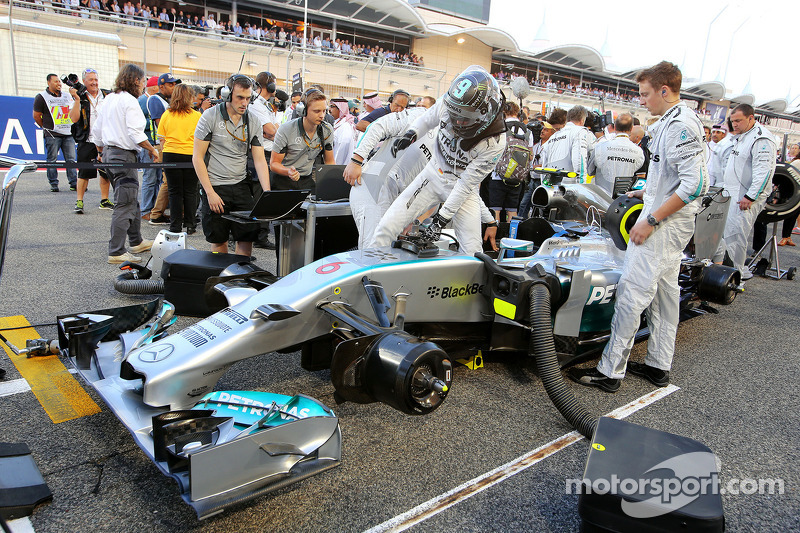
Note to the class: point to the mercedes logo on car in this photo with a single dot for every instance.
(156, 353)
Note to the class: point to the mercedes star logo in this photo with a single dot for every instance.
(156, 353)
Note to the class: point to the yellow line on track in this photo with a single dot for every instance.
(60, 394)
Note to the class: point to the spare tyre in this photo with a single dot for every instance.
(784, 201)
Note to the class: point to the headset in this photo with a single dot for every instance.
(399, 92)
(227, 91)
(302, 106)
(271, 87)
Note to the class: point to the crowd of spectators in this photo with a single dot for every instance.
(574, 88)
(278, 33)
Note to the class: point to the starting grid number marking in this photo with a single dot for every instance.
(60, 394)
(474, 486)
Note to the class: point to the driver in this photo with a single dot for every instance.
(649, 282)
(367, 211)
(470, 141)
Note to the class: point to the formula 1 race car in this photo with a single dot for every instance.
(550, 293)
(399, 351)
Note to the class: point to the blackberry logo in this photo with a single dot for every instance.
(455, 291)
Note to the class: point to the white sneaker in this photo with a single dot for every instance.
(747, 274)
(143, 246)
(127, 256)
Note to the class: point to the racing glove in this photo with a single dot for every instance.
(434, 230)
(404, 142)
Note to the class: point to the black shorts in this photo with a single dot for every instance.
(87, 153)
(502, 196)
(237, 197)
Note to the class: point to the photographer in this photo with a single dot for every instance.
(55, 112)
(91, 98)
(510, 174)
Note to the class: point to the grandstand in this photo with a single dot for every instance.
(348, 46)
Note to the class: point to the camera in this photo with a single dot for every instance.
(597, 122)
(71, 80)
(536, 128)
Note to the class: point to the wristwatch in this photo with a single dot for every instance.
(652, 221)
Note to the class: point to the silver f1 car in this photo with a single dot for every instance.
(550, 293)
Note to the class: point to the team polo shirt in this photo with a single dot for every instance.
(300, 151)
(226, 157)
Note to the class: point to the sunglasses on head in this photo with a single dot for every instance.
(88, 71)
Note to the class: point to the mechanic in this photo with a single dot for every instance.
(298, 143)
(344, 132)
(394, 174)
(721, 147)
(55, 112)
(91, 100)
(119, 132)
(264, 108)
(397, 102)
(224, 137)
(568, 150)
(537, 150)
(616, 157)
(748, 179)
(156, 106)
(470, 141)
(506, 185)
(676, 181)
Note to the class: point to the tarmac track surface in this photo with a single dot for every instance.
(736, 373)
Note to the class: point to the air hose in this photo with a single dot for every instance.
(127, 284)
(543, 348)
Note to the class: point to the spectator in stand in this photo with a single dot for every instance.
(119, 131)
(55, 112)
(176, 135)
(282, 38)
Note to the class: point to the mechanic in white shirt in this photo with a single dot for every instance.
(617, 157)
(721, 147)
(118, 133)
(568, 149)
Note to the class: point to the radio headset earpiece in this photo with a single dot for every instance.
(398, 92)
(663, 93)
(271, 87)
(302, 106)
(232, 80)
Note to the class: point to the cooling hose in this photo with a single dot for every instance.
(543, 348)
(126, 284)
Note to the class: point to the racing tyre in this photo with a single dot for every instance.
(785, 202)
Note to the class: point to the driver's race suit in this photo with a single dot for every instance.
(748, 174)
(452, 176)
(568, 149)
(649, 280)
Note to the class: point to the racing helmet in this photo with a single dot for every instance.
(473, 101)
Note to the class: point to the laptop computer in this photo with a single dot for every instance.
(273, 205)
(331, 186)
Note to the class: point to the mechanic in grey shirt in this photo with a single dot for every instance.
(224, 137)
(299, 142)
